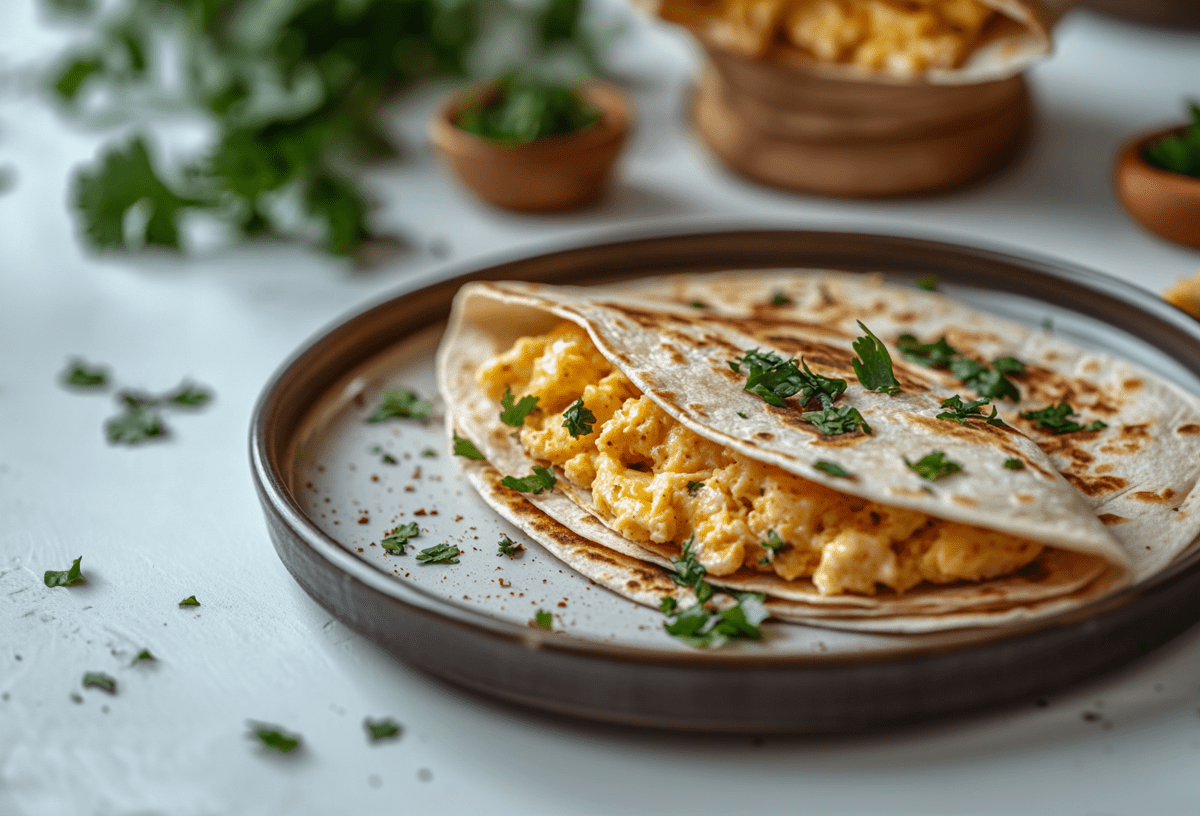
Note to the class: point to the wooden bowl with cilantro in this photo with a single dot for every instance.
(531, 145)
(1158, 181)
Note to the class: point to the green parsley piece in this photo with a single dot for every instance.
(774, 379)
(780, 299)
(832, 469)
(190, 600)
(690, 572)
(1057, 419)
(931, 355)
(466, 448)
(984, 381)
(81, 375)
(873, 365)
(772, 545)
(135, 426)
(692, 487)
(697, 626)
(401, 403)
(836, 420)
(1009, 365)
(543, 620)
(396, 541)
(933, 466)
(509, 547)
(578, 420)
(1180, 152)
(429, 453)
(743, 416)
(1013, 463)
(383, 729)
(189, 395)
(928, 283)
(100, 680)
(961, 411)
(144, 656)
(514, 411)
(517, 109)
(542, 479)
(698, 304)
(440, 554)
(274, 737)
(65, 578)
(667, 605)
(1047, 325)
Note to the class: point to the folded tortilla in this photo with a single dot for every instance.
(1121, 508)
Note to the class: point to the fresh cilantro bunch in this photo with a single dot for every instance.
(518, 109)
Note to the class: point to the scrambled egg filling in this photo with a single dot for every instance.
(653, 480)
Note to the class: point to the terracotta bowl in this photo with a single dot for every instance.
(546, 175)
(1167, 204)
(778, 121)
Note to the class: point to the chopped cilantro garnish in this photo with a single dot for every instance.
(1178, 152)
(509, 547)
(692, 487)
(928, 282)
(383, 729)
(543, 620)
(520, 108)
(775, 379)
(143, 655)
(933, 466)
(440, 554)
(930, 355)
(577, 419)
(67, 577)
(984, 381)
(466, 448)
(135, 426)
(873, 365)
(429, 453)
(780, 299)
(667, 605)
(1013, 463)
(961, 411)
(542, 479)
(189, 395)
(836, 420)
(514, 411)
(698, 304)
(81, 375)
(1047, 325)
(1008, 365)
(274, 737)
(697, 626)
(773, 544)
(396, 541)
(832, 469)
(1057, 418)
(401, 403)
(690, 572)
(190, 600)
(743, 416)
(100, 680)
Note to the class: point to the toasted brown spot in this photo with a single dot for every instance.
(677, 358)
(1096, 486)
(964, 500)
(1188, 430)
(1107, 467)
(1025, 498)
(765, 436)
(697, 409)
(632, 586)
(1091, 367)
(1111, 519)
(1138, 431)
(1132, 384)
(1154, 498)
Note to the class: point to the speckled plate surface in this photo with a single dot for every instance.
(331, 484)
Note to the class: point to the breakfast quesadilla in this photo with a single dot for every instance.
(857, 455)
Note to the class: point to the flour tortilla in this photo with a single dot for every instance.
(677, 355)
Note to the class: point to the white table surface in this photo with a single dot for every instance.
(163, 521)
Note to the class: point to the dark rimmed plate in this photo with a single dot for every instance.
(329, 492)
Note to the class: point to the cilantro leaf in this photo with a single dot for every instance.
(690, 572)
(144, 656)
(1013, 463)
(836, 420)
(65, 578)
(774, 379)
(401, 403)
(382, 729)
(467, 449)
(100, 680)
(698, 304)
(513, 414)
(542, 479)
(189, 395)
(274, 737)
(81, 375)
(578, 420)
(832, 469)
(984, 381)
(1008, 365)
(692, 487)
(667, 605)
(961, 411)
(190, 600)
(931, 355)
(1057, 419)
(780, 299)
(442, 553)
(509, 547)
(873, 365)
(543, 620)
(429, 453)
(772, 545)
(933, 466)
(697, 626)
(135, 426)
(928, 283)
(395, 541)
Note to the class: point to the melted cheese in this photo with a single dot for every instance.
(654, 480)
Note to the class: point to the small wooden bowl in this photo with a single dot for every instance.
(546, 175)
(1166, 203)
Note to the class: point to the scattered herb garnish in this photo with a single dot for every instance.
(384, 457)
(466, 448)
(396, 541)
(401, 403)
(143, 655)
(832, 469)
(65, 578)
(667, 605)
(987, 382)
(1013, 463)
(698, 304)
(772, 545)
(189, 395)
(135, 426)
(81, 375)
(514, 411)
(383, 729)
(543, 620)
(698, 626)
(440, 554)
(1047, 325)
(836, 420)
(1008, 365)
(190, 600)
(931, 355)
(743, 416)
(928, 282)
(577, 419)
(873, 365)
(100, 680)
(690, 572)
(692, 487)
(509, 547)
(780, 299)
(518, 109)
(1057, 418)
(1178, 153)
(933, 466)
(961, 411)
(429, 453)
(542, 479)
(984, 381)
(775, 379)
(274, 737)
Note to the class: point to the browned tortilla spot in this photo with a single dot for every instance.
(1096, 486)
(1188, 430)
(764, 436)
(1064, 445)
(632, 586)
(1107, 467)
(1091, 367)
(697, 409)
(964, 500)
(1154, 498)
(1138, 430)
(1131, 384)
(1111, 519)
(1024, 498)
(677, 358)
